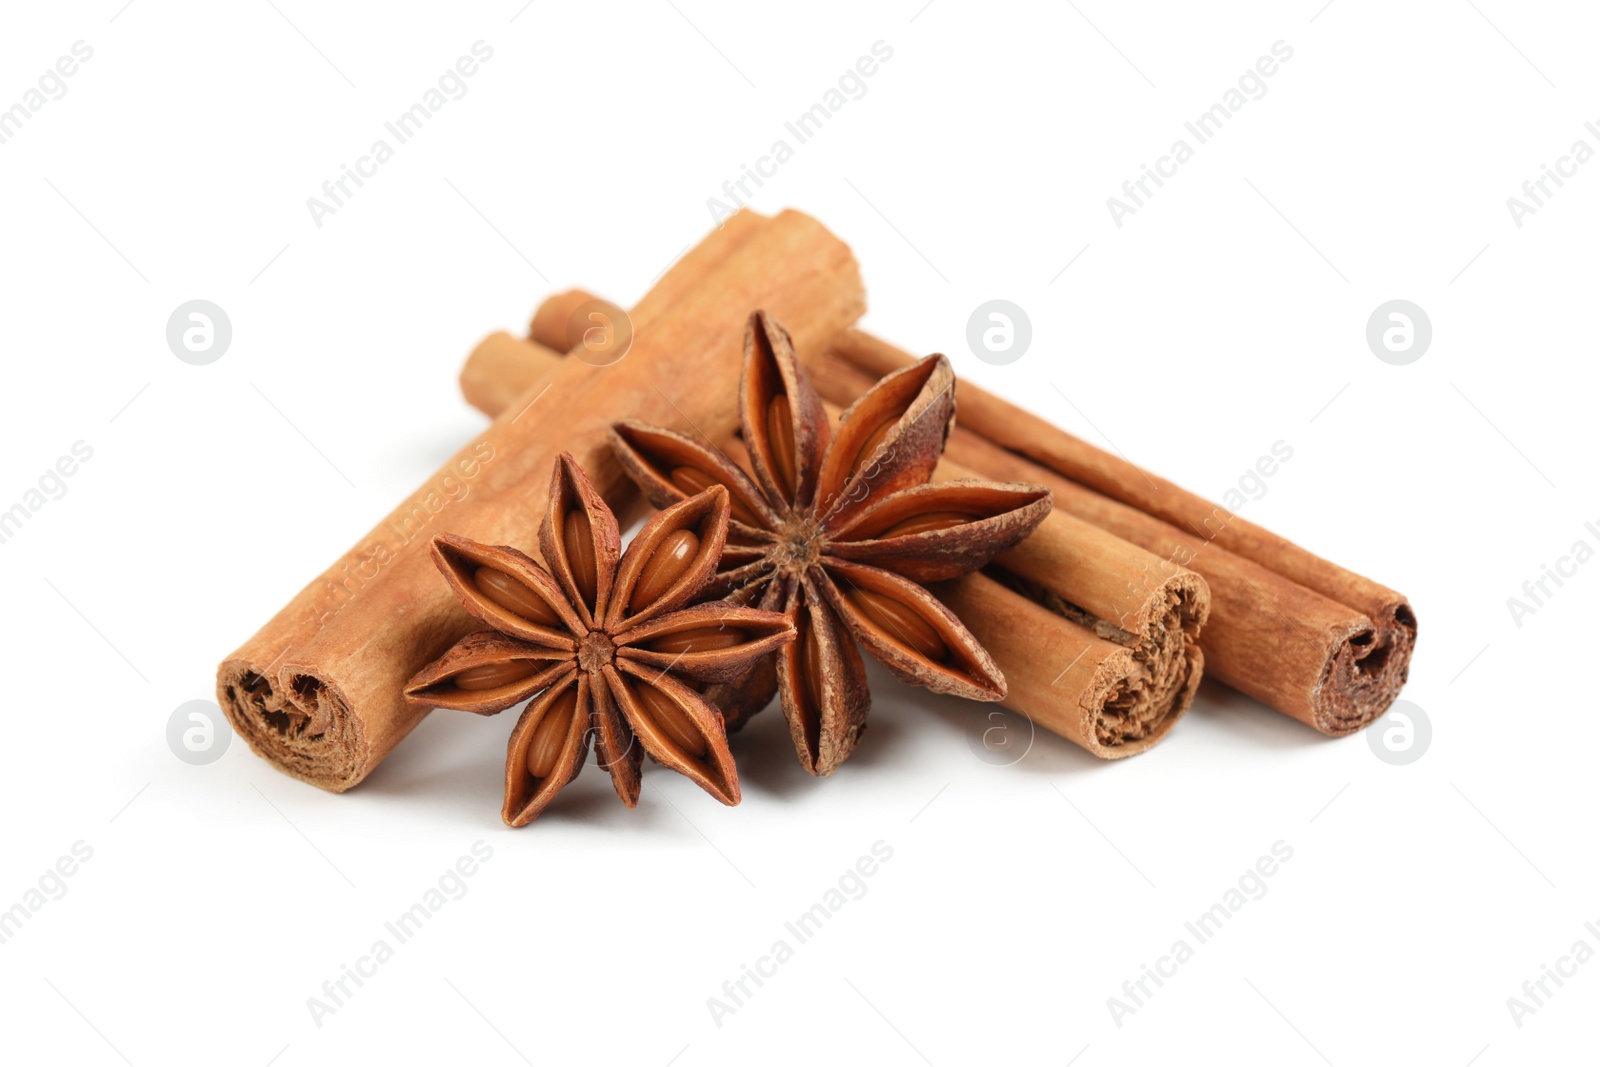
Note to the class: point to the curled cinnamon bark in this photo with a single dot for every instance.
(1109, 659)
(1301, 634)
(318, 690)
(1316, 642)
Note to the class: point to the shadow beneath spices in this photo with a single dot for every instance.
(1002, 738)
(450, 762)
(1244, 720)
(452, 768)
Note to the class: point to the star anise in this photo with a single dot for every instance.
(610, 642)
(839, 535)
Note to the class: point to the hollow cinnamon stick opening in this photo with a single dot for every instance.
(1114, 699)
(1113, 661)
(318, 690)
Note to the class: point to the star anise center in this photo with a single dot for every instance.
(596, 651)
(800, 545)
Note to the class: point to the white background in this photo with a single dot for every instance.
(1227, 314)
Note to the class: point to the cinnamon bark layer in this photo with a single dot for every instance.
(500, 368)
(1082, 656)
(1301, 634)
(1109, 670)
(1115, 698)
(318, 690)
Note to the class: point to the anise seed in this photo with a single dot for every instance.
(494, 675)
(579, 543)
(666, 565)
(512, 594)
(702, 639)
(811, 664)
(899, 624)
(933, 520)
(672, 719)
(780, 433)
(550, 736)
(870, 445)
(693, 481)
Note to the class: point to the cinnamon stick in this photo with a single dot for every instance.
(1124, 668)
(500, 367)
(1302, 635)
(1114, 689)
(1308, 638)
(1110, 671)
(317, 691)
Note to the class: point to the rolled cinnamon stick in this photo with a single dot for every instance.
(317, 691)
(1110, 671)
(1275, 633)
(1115, 689)
(500, 367)
(1302, 635)
(1125, 666)
(1115, 700)
(553, 325)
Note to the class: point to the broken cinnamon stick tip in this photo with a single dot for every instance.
(502, 367)
(1365, 672)
(553, 321)
(310, 735)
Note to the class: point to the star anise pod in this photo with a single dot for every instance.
(618, 654)
(840, 534)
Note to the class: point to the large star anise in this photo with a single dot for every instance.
(610, 642)
(838, 535)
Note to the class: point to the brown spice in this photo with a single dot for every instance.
(842, 529)
(600, 664)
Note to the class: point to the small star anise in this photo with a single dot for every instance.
(840, 534)
(610, 642)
